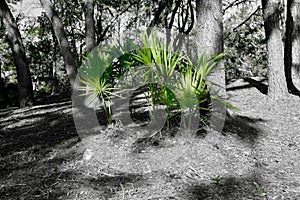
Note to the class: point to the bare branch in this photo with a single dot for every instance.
(178, 2)
(114, 20)
(247, 19)
(161, 6)
(235, 3)
(192, 17)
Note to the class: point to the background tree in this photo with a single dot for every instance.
(292, 46)
(42, 52)
(3, 93)
(244, 40)
(14, 38)
(210, 39)
(272, 9)
(89, 25)
(210, 32)
(61, 37)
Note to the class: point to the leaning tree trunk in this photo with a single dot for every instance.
(277, 83)
(90, 39)
(23, 74)
(210, 39)
(292, 47)
(62, 39)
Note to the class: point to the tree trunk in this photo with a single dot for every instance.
(292, 47)
(277, 83)
(23, 74)
(210, 39)
(210, 33)
(89, 25)
(3, 94)
(62, 39)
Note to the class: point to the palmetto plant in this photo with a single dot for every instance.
(193, 88)
(95, 81)
(193, 79)
(174, 80)
(158, 63)
(97, 88)
(157, 60)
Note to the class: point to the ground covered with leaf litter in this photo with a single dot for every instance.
(257, 156)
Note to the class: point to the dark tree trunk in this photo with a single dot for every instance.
(277, 83)
(89, 25)
(292, 46)
(3, 94)
(23, 74)
(54, 84)
(62, 39)
(210, 39)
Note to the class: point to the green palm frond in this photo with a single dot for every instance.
(154, 63)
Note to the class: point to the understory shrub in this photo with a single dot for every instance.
(167, 78)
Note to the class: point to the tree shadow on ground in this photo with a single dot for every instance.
(7, 111)
(54, 98)
(36, 184)
(34, 156)
(51, 129)
(34, 143)
(34, 115)
(52, 107)
(244, 127)
(37, 173)
(229, 188)
(110, 185)
(258, 84)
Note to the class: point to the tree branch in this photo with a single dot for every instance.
(161, 6)
(247, 19)
(178, 2)
(192, 17)
(235, 3)
(113, 21)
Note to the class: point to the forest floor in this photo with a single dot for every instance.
(257, 155)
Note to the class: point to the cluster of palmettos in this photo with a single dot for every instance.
(172, 79)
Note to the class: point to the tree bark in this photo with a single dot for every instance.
(62, 39)
(90, 39)
(277, 83)
(210, 33)
(23, 74)
(210, 39)
(3, 93)
(292, 47)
